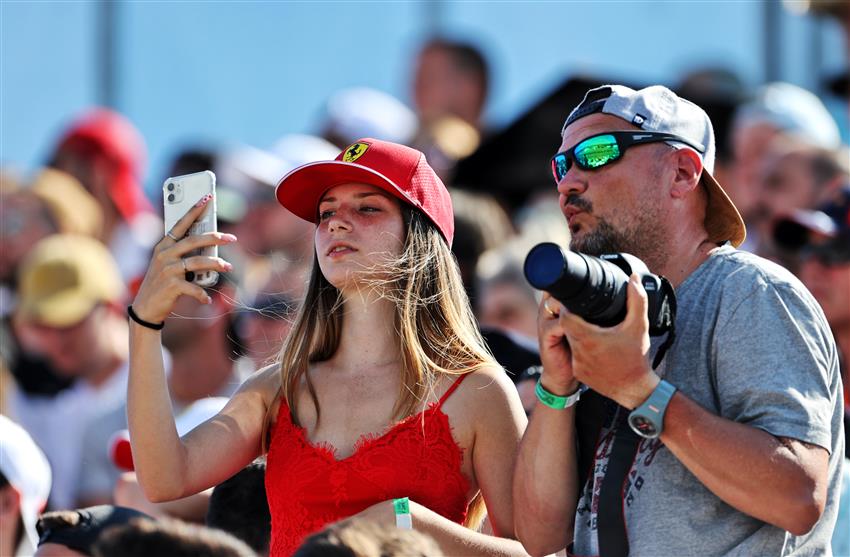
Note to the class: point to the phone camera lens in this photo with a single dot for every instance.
(170, 197)
(170, 187)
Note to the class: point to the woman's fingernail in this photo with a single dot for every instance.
(228, 237)
(204, 200)
(228, 266)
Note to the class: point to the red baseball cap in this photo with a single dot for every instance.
(109, 133)
(396, 169)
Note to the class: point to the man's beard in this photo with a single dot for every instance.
(604, 239)
(644, 237)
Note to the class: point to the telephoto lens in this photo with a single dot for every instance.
(595, 288)
(588, 286)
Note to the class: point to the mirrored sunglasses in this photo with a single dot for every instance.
(599, 150)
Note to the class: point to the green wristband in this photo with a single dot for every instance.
(554, 401)
(402, 505)
(403, 520)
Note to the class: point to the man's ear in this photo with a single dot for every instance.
(688, 172)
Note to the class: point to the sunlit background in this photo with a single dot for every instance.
(218, 73)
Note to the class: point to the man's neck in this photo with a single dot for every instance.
(682, 263)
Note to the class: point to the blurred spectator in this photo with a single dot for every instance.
(70, 310)
(144, 537)
(362, 538)
(796, 177)
(822, 239)
(267, 318)
(74, 532)
(450, 88)
(505, 300)
(451, 78)
(24, 487)
(363, 112)
(205, 353)
(106, 153)
(480, 224)
(777, 111)
(238, 506)
(53, 202)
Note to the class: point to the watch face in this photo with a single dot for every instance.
(643, 426)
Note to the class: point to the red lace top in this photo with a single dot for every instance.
(308, 488)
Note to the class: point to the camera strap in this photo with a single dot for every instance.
(594, 413)
(668, 294)
(611, 532)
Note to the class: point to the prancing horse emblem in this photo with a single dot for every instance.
(354, 152)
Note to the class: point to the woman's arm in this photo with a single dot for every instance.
(169, 467)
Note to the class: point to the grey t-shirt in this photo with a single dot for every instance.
(752, 346)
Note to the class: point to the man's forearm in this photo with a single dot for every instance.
(545, 481)
(781, 483)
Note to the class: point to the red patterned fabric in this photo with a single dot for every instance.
(308, 488)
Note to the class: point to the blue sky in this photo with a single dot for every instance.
(250, 72)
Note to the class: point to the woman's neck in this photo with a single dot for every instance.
(368, 338)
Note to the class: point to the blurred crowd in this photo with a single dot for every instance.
(77, 236)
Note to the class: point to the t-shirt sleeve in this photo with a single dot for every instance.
(773, 361)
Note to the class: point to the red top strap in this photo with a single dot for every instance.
(451, 389)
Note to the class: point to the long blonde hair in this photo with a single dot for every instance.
(437, 332)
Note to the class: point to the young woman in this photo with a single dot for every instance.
(384, 389)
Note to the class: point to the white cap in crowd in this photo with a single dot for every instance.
(27, 471)
(793, 110)
(363, 112)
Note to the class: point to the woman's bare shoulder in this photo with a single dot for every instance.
(486, 388)
(491, 378)
(488, 401)
(265, 382)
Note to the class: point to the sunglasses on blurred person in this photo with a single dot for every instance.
(274, 307)
(829, 254)
(602, 149)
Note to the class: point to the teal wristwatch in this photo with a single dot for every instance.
(557, 402)
(647, 420)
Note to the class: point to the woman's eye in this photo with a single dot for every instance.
(326, 214)
(369, 209)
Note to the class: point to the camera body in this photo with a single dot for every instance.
(595, 287)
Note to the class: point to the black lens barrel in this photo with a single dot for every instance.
(590, 287)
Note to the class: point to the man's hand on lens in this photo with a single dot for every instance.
(613, 360)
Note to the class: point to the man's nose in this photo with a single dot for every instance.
(574, 181)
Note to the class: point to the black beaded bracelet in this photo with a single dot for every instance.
(142, 322)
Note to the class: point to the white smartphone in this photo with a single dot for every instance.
(181, 193)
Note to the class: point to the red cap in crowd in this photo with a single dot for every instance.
(105, 132)
(396, 169)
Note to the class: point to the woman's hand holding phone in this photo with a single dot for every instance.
(165, 280)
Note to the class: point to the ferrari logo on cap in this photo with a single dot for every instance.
(354, 152)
